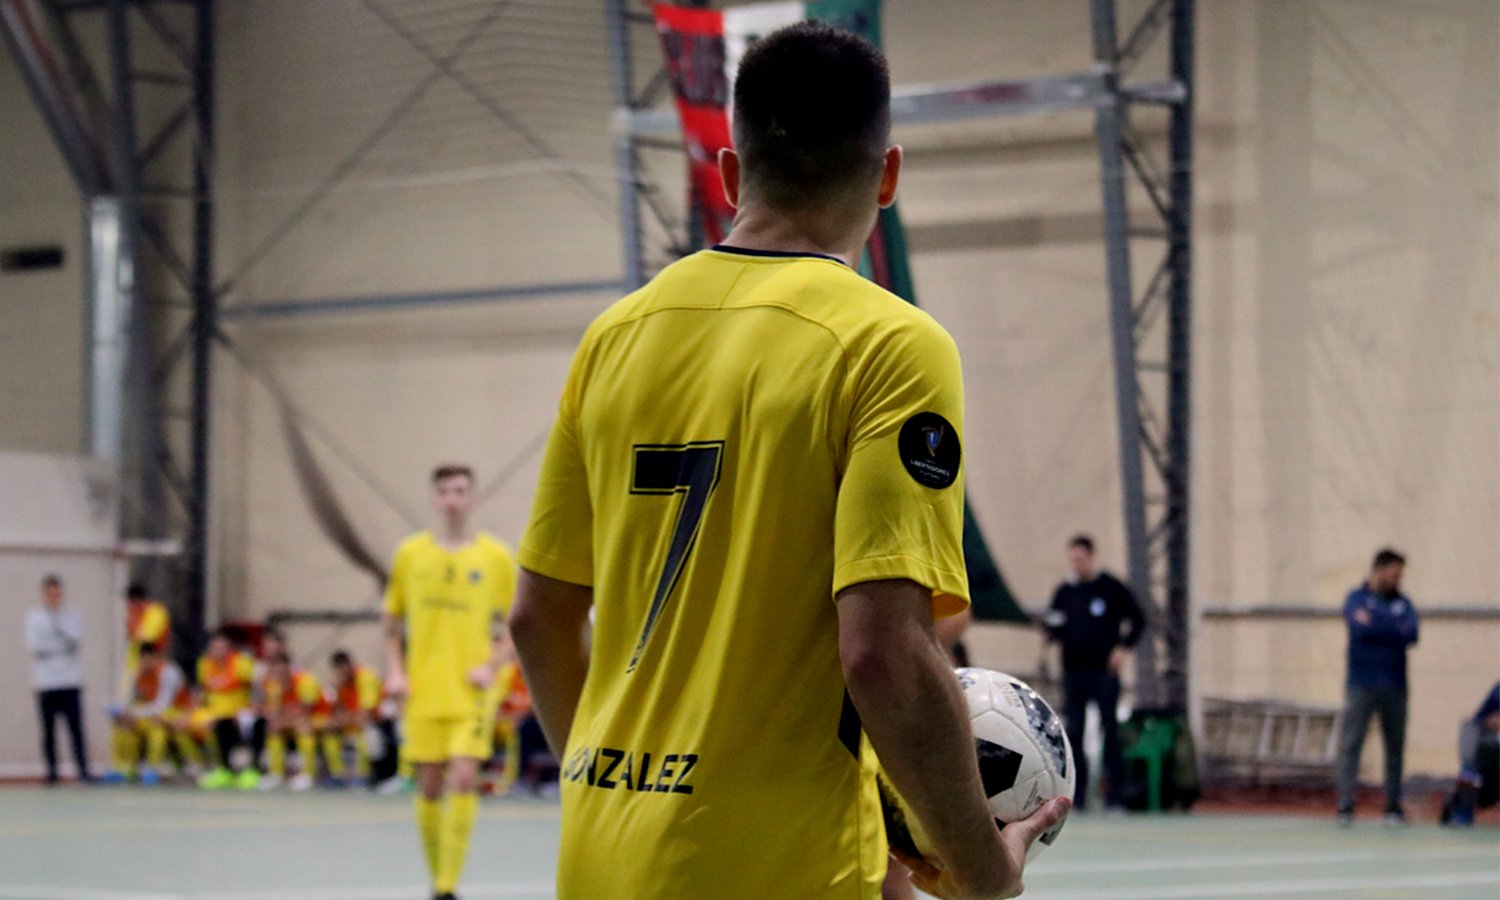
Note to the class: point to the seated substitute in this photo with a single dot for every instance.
(1479, 762)
(147, 718)
(356, 705)
(292, 707)
(224, 679)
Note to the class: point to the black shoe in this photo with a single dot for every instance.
(445, 895)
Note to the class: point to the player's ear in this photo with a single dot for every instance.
(729, 172)
(890, 173)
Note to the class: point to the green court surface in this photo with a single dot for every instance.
(166, 844)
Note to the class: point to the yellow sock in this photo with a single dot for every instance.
(124, 749)
(188, 748)
(361, 756)
(276, 756)
(307, 751)
(333, 755)
(459, 811)
(429, 826)
(156, 744)
(512, 755)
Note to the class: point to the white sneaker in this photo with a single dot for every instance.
(300, 783)
(269, 783)
(393, 785)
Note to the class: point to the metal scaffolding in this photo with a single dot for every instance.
(1155, 506)
(144, 166)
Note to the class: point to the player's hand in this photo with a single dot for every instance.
(482, 675)
(395, 684)
(1117, 658)
(1362, 616)
(1004, 881)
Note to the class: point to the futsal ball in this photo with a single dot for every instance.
(1024, 759)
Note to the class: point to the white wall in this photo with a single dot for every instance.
(41, 313)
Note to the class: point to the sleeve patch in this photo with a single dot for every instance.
(930, 450)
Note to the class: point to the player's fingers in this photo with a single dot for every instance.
(924, 874)
(1041, 821)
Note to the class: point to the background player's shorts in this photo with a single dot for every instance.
(428, 740)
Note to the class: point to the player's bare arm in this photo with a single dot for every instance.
(900, 682)
(502, 651)
(547, 625)
(395, 663)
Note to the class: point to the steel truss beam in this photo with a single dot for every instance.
(162, 461)
(1156, 520)
(1155, 508)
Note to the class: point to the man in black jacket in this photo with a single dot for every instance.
(1086, 616)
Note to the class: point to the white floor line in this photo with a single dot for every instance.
(1289, 858)
(43, 892)
(1275, 888)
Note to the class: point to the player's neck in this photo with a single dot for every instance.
(757, 228)
(454, 535)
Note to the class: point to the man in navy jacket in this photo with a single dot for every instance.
(1382, 624)
(1096, 620)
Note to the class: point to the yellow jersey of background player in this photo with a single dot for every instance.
(755, 480)
(447, 589)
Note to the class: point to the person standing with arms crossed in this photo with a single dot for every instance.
(1382, 625)
(753, 481)
(446, 592)
(54, 636)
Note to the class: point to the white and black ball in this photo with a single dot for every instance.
(1024, 758)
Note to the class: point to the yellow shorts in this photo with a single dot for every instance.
(431, 740)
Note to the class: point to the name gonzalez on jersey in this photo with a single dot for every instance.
(611, 769)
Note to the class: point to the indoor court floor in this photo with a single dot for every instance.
(167, 844)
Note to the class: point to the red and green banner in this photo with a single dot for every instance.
(703, 48)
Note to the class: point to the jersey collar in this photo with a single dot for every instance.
(775, 254)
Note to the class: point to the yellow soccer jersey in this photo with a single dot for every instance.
(449, 600)
(738, 441)
(226, 684)
(305, 692)
(362, 693)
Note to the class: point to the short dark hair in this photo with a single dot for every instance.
(1082, 540)
(451, 470)
(151, 647)
(136, 591)
(812, 114)
(340, 658)
(1385, 557)
(52, 581)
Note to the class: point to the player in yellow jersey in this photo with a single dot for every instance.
(146, 719)
(225, 676)
(357, 693)
(754, 481)
(146, 622)
(448, 593)
(292, 706)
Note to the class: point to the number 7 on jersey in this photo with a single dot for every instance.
(690, 469)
